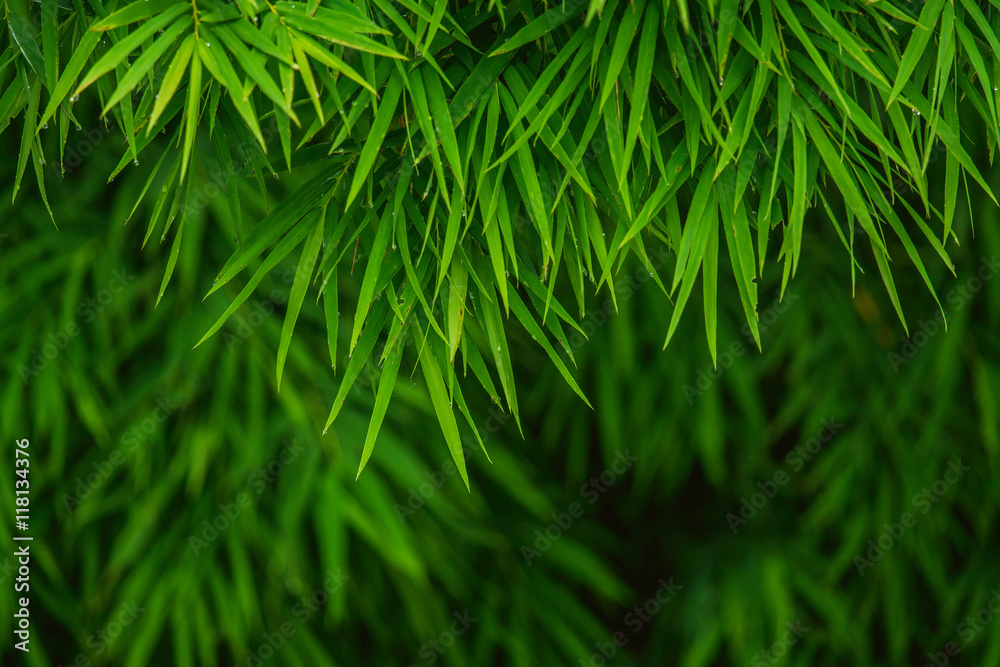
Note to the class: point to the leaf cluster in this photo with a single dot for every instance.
(463, 158)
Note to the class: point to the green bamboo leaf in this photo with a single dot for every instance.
(439, 399)
(579, 46)
(230, 184)
(120, 51)
(536, 127)
(373, 144)
(915, 47)
(700, 232)
(250, 64)
(303, 274)
(456, 305)
(815, 56)
(366, 344)
(191, 110)
(440, 8)
(344, 14)
(171, 80)
(422, 111)
(524, 316)
(329, 29)
(305, 71)
(796, 217)
(332, 315)
(623, 44)
(845, 39)
(643, 76)
(452, 228)
(50, 41)
(368, 284)
(27, 132)
(73, 68)
(529, 177)
(314, 50)
(882, 260)
(21, 35)
(541, 26)
(444, 128)
(737, 231)
(489, 313)
(220, 15)
(464, 409)
(138, 70)
(495, 247)
(281, 218)
(137, 11)
(149, 182)
(847, 185)
(171, 261)
(695, 233)
(285, 246)
(475, 361)
(950, 194)
(710, 281)
(251, 36)
(386, 383)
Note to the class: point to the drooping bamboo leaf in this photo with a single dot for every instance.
(383, 118)
(303, 274)
(120, 51)
(387, 380)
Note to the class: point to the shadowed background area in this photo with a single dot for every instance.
(832, 500)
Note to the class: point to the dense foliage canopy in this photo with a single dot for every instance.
(464, 159)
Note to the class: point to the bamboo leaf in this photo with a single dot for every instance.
(369, 283)
(386, 383)
(383, 118)
(120, 51)
(303, 274)
(439, 398)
